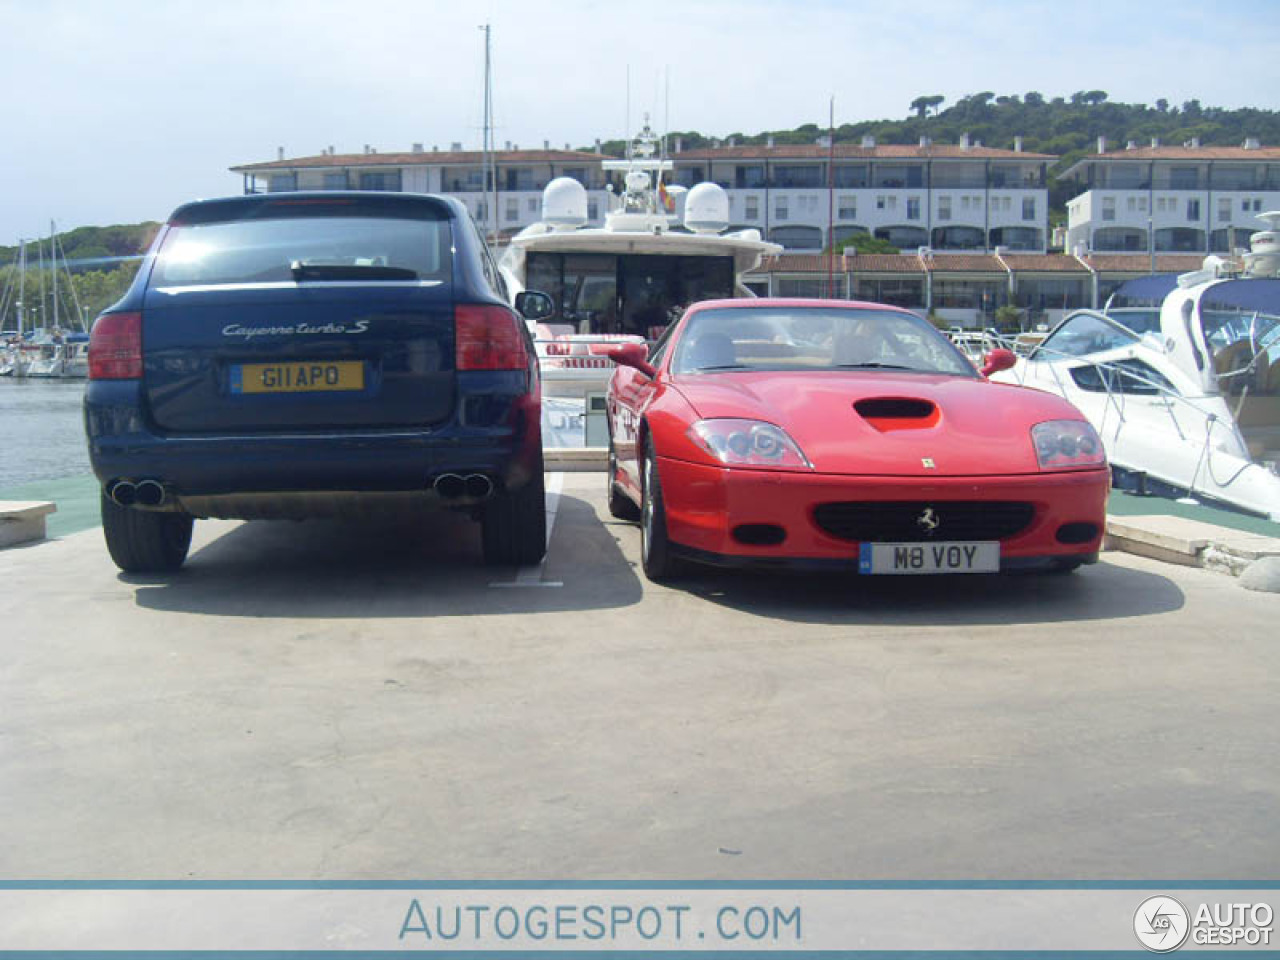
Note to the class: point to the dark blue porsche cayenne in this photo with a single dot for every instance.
(314, 355)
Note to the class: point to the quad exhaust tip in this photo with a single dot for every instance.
(144, 493)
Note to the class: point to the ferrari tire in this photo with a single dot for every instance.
(621, 506)
(1065, 566)
(513, 526)
(655, 549)
(145, 541)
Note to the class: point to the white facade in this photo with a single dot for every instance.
(1187, 199)
(948, 197)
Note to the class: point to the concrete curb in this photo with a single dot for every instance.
(1191, 543)
(23, 521)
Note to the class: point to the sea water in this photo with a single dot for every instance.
(41, 431)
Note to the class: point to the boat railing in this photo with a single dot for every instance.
(1169, 398)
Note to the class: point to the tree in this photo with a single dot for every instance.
(1162, 105)
(865, 243)
(1095, 97)
(922, 105)
(1033, 99)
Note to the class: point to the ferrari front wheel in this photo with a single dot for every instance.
(655, 548)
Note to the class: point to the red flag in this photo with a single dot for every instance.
(668, 202)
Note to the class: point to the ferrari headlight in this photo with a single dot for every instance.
(1067, 444)
(749, 443)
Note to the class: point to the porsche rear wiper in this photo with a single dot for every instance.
(349, 271)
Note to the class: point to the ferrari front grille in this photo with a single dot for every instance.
(913, 521)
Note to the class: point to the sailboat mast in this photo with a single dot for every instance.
(53, 259)
(22, 282)
(490, 171)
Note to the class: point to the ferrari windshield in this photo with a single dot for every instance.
(814, 338)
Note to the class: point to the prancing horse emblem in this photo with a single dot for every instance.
(928, 520)
(928, 463)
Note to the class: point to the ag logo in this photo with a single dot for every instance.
(1161, 924)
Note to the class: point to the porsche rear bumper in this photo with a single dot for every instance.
(710, 510)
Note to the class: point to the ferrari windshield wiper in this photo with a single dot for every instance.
(349, 271)
(875, 365)
(721, 366)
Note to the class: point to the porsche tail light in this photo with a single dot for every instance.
(1067, 445)
(115, 347)
(749, 443)
(488, 338)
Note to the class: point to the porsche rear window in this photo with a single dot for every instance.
(814, 338)
(288, 248)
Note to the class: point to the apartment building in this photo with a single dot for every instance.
(1184, 199)
(951, 197)
(948, 197)
(517, 184)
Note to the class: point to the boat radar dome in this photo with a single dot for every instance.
(706, 209)
(564, 204)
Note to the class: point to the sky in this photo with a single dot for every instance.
(116, 111)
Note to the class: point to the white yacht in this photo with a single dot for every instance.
(660, 249)
(1181, 377)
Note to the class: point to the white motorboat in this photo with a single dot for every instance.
(1181, 377)
(660, 249)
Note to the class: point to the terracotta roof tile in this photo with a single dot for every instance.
(845, 151)
(885, 263)
(426, 158)
(1188, 153)
(964, 263)
(1141, 262)
(1043, 263)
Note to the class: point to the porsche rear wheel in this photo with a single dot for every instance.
(621, 506)
(143, 541)
(655, 548)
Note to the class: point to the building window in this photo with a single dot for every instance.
(944, 208)
(1193, 209)
(1257, 205)
(964, 202)
(848, 208)
(482, 212)
(513, 209)
(380, 180)
(282, 183)
(576, 173)
(913, 208)
(1224, 209)
(532, 205)
(753, 208)
(780, 211)
(1028, 208)
(593, 209)
(1142, 204)
(880, 202)
(335, 181)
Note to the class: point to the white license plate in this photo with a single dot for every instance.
(947, 557)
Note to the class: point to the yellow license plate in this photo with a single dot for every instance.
(297, 377)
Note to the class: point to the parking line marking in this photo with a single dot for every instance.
(531, 576)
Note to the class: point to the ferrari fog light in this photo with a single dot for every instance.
(1066, 444)
(749, 443)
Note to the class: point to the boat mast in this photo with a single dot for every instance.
(53, 259)
(490, 171)
(22, 281)
(831, 202)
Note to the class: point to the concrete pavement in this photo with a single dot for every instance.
(320, 701)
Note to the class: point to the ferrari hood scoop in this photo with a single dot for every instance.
(898, 413)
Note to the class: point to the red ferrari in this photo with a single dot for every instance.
(834, 433)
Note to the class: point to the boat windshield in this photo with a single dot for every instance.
(1241, 323)
(814, 338)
